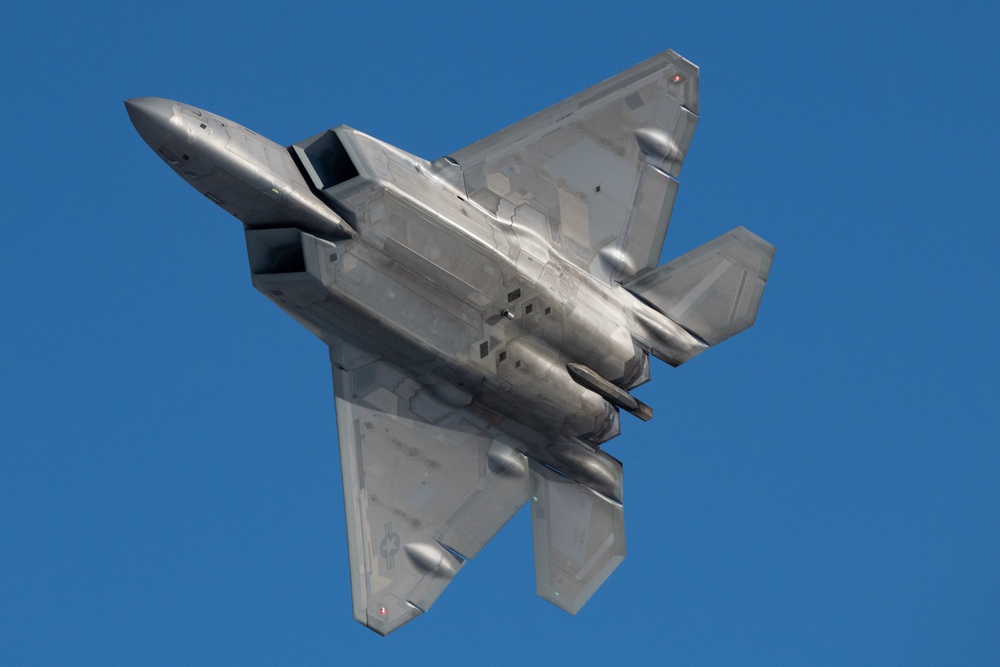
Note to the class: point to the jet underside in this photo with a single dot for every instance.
(487, 315)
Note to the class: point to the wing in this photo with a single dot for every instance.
(594, 175)
(426, 485)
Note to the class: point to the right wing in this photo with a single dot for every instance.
(426, 485)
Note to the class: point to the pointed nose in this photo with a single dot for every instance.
(150, 116)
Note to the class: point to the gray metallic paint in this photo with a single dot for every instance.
(487, 315)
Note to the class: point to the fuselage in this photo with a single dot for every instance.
(361, 241)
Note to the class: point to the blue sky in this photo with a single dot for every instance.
(822, 489)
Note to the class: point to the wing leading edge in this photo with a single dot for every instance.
(594, 175)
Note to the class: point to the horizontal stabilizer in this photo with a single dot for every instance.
(714, 290)
(579, 538)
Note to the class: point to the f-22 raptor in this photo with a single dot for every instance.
(488, 315)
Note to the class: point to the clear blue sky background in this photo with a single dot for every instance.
(822, 489)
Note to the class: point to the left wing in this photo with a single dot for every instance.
(426, 485)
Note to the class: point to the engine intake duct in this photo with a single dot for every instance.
(325, 160)
(613, 394)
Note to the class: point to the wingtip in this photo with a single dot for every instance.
(383, 619)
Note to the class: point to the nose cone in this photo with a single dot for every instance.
(150, 116)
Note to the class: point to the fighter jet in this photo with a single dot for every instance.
(488, 315)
